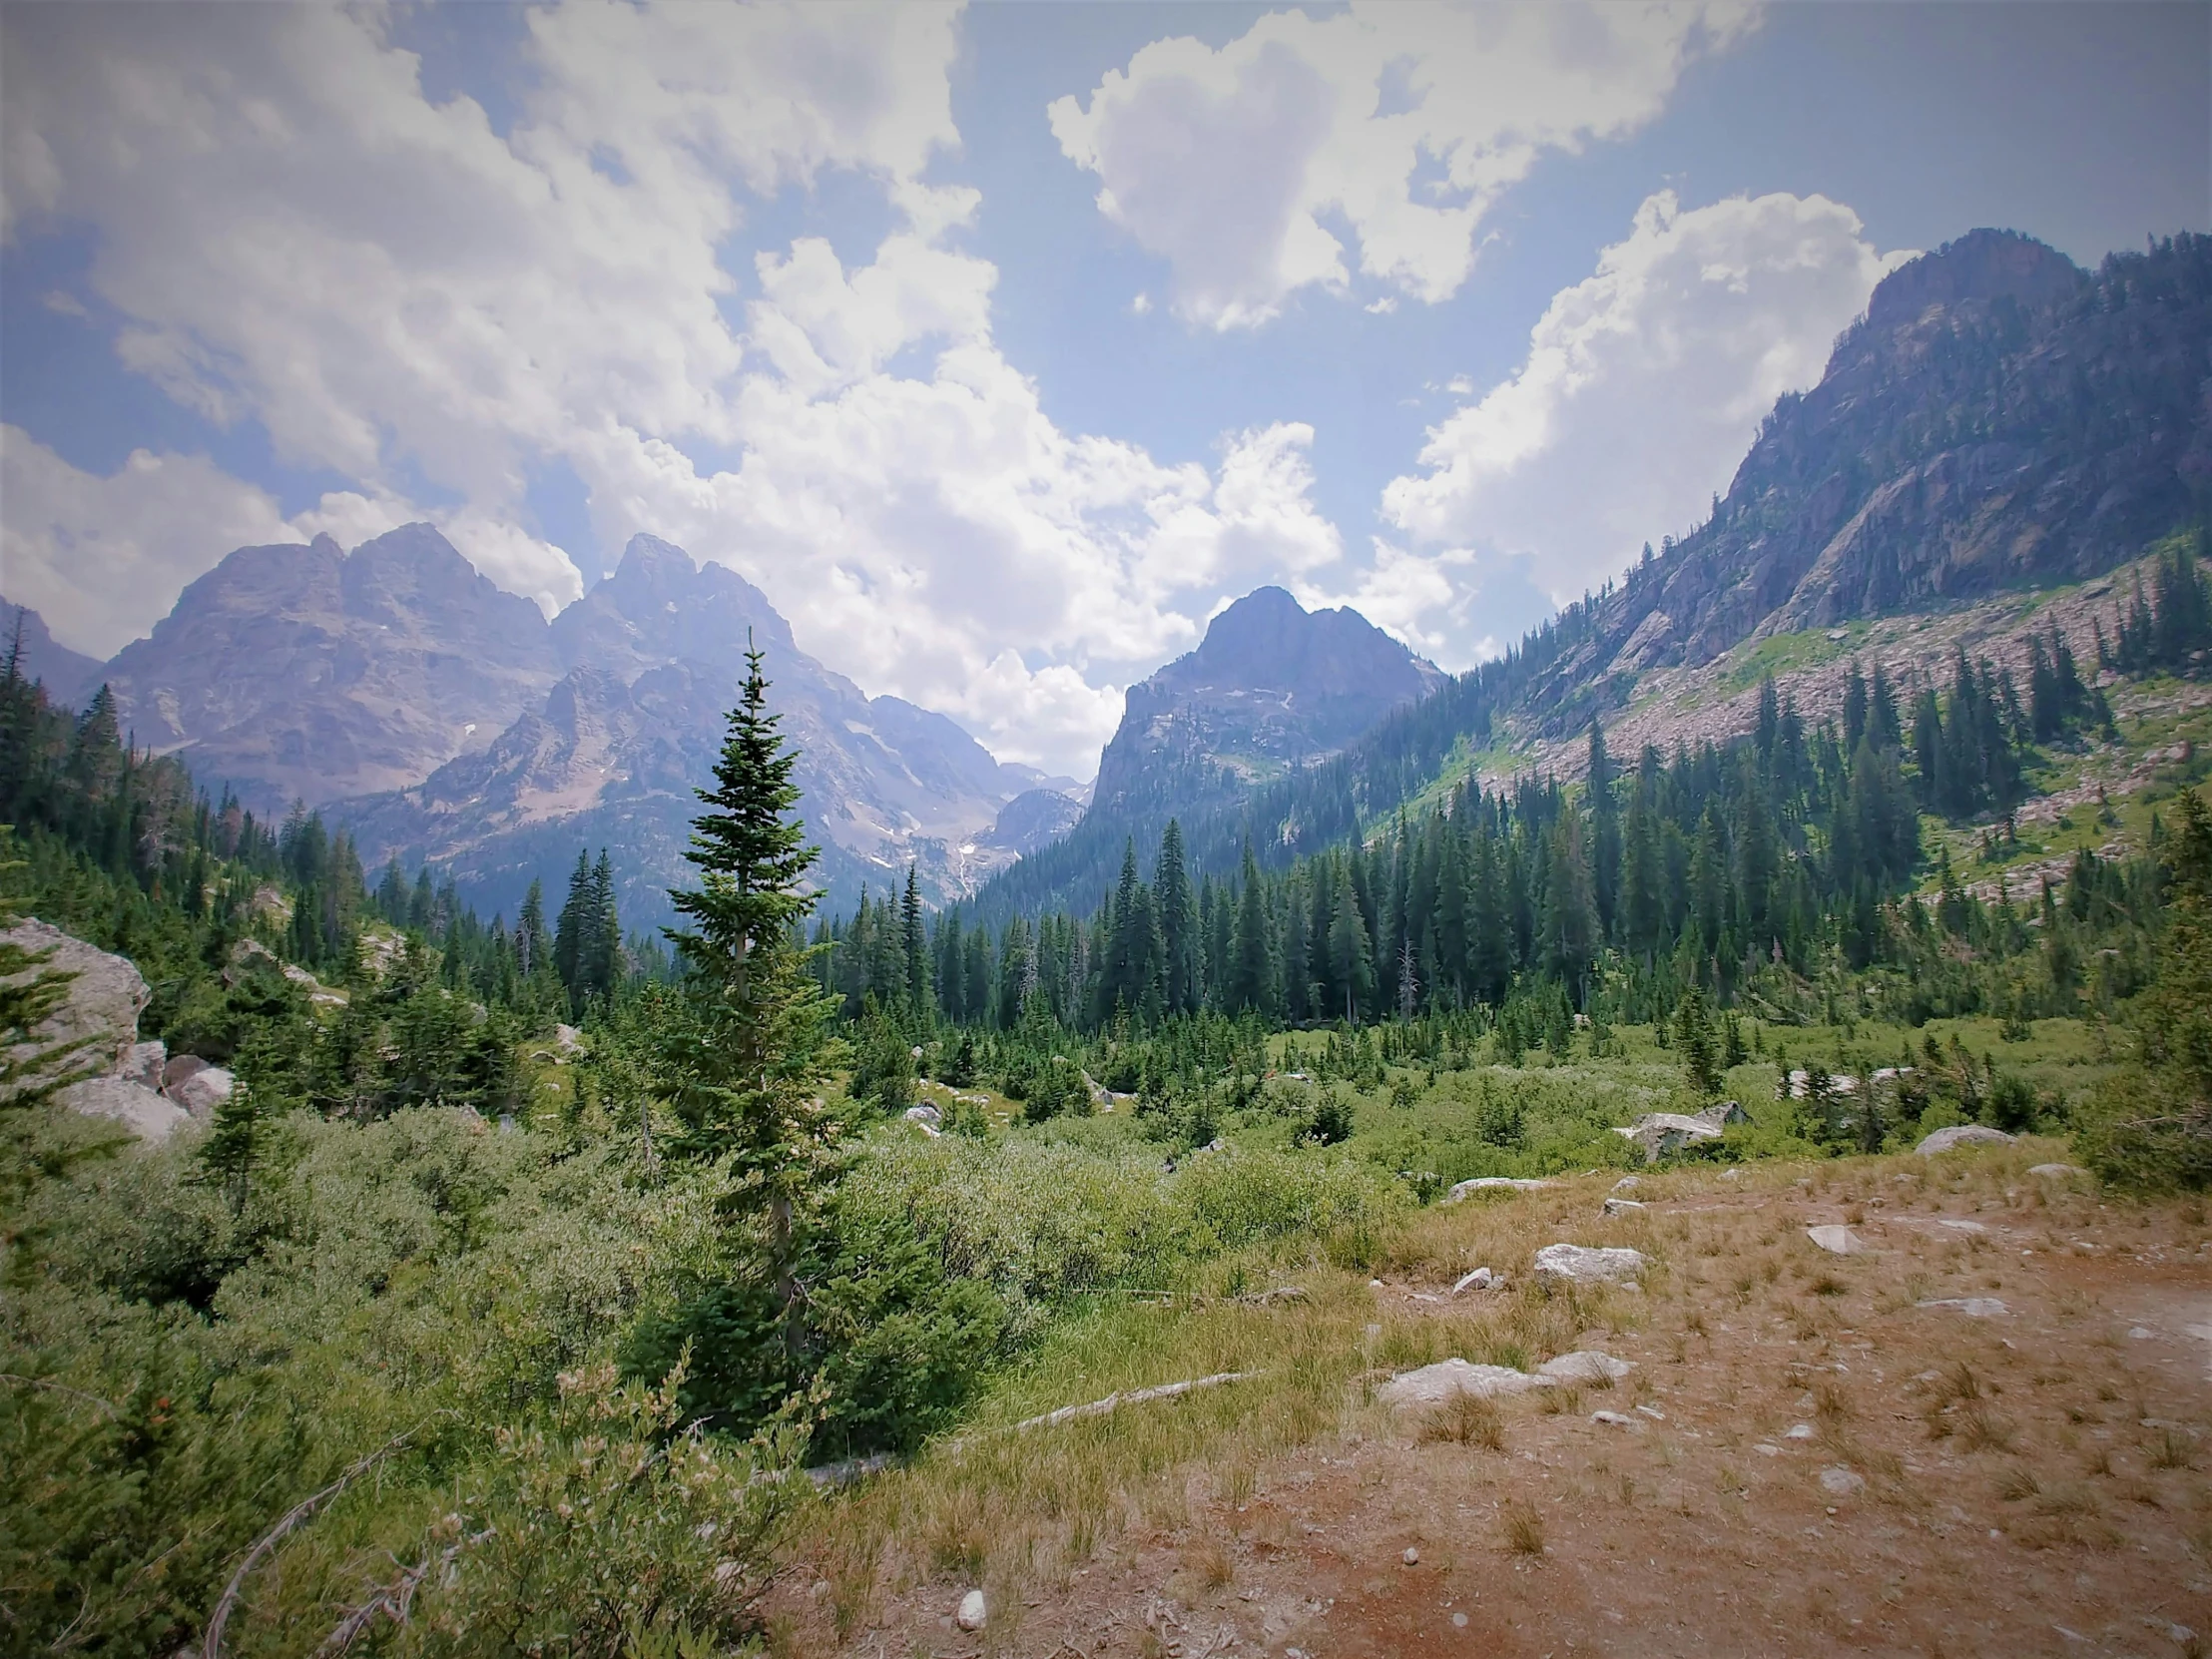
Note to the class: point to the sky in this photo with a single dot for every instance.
(1000, 347)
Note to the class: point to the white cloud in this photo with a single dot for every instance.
(297, 235)
(1642, 387)
(102, 558)
(1408, 122)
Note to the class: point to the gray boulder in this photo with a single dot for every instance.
(180, 1067)
(143, 1063)
(1963, 1134)
(1579, 1264)
(137, 1108)
(1586, 1365)
(1433, 1384)
(202, 1091)
(1491, 1184)
(97, 1018)
(1663, 1134)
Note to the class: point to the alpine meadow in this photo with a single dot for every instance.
(1061, 831)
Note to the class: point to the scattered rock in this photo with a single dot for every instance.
(1974, 1306)
(1797, 1431)
(1626, 1184)
(1662, 1134)
(1959, 1226)
(1653, 1413)
(566, 1039)
(143, 1063)
(1433, 1384)
(180, 1067)
(2141, 1333)
(1586, 1266)
(1616, 1419)
(145, 1113)
(1842, 1482)
(1622, 1207)
(927, 1119)
(2055, 1172)
(1962, 1134)
(202, 1091)
(1491, 1184)
(96, 1021)
(1766, 1450)
(1586, 1365)
(973, 1611)
(1837, 1241)
(1411, 1556)
(1479, 1280)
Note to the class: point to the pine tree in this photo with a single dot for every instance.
(1171, 889)
(1350, 952)
(1250, 970)
(913, 953)
(570, 932)
(745, 1064)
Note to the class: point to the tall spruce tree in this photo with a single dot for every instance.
(744, 1062)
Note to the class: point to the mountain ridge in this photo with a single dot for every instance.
(2000, 418)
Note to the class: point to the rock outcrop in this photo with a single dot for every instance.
(1964, 1134)
(1582, 1265)
(95, 1026)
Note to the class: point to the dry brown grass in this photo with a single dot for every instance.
(1522, 1527)
(1465, 1419)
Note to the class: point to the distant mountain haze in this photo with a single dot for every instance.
(408, 696)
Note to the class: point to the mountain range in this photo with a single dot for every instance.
(404, 694)
(1999, 419)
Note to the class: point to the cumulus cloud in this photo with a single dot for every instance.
(1642, 387)
(1406, 123)
(297, 234)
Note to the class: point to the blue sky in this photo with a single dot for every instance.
(1002, 346)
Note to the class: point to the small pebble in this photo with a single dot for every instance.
(1459, 1620)
(1413, 1556)
(971, 1614)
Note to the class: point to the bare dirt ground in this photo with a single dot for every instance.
(1812, 1461)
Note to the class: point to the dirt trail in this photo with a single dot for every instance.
(2030, 1482)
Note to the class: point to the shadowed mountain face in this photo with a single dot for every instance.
(2000, 418)
(652, 658)
(1272, 686)
(70, 677)
(307, 672)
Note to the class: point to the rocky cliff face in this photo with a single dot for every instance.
(308, 672)
(1271, 686)
(1998, 418)
(653, 656)
(70, 677)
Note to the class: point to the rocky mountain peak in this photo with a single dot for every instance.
(658, 606)
(1272, 685)
(1982, 264)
